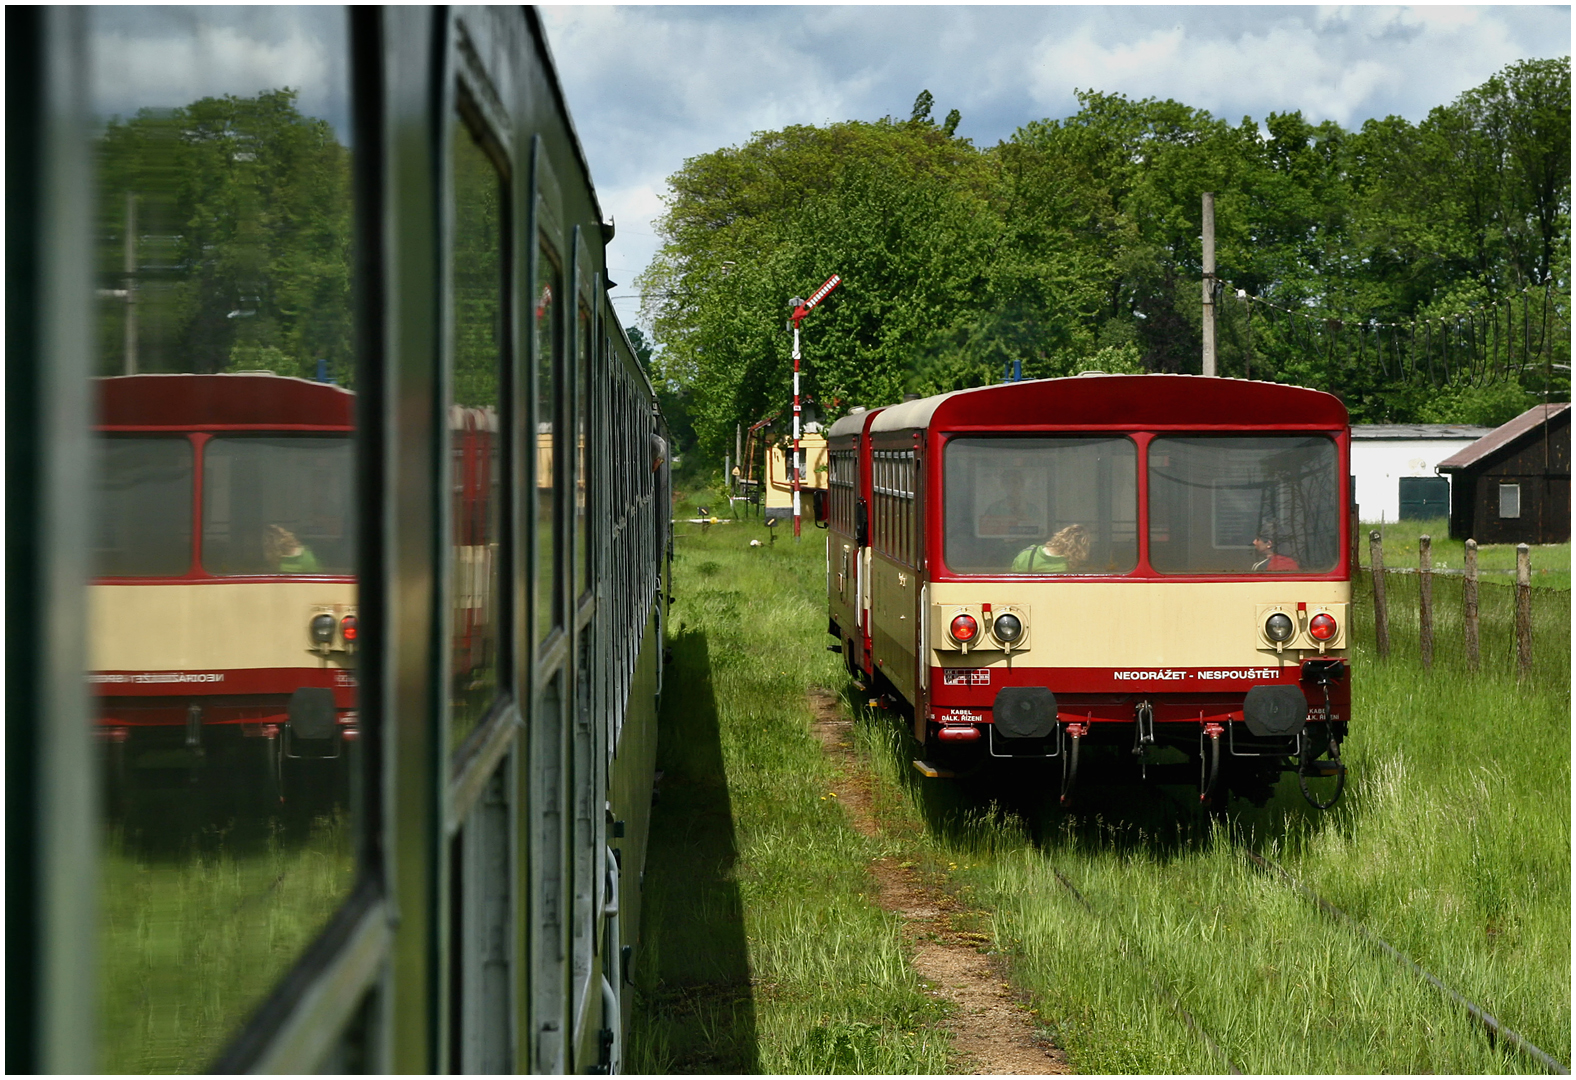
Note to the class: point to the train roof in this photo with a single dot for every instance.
(223, 401)
(851, 424)
(1132, 401)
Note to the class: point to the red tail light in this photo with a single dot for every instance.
(964, 628)
(347, 628)
(1322, 627)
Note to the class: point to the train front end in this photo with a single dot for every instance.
(223, 620)
(1149, 570)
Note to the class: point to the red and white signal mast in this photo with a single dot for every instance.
(801, 308)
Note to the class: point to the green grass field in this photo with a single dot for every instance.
(1453, 842)
(202, 912)
(1551, 563)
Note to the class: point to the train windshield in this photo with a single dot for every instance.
(278, 505)
(144, 526)
(1037, 505)
(1228, 505)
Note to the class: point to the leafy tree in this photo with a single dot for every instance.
(242, 237)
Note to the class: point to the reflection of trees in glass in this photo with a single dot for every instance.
(478, 273)
(240, 239)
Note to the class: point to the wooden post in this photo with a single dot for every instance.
(1357, 536)
(1381, 614)
(1425, 599)
(1469, 605)
(1523, 611)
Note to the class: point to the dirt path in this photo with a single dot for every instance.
(992, 1030)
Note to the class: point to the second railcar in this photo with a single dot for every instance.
(1106, 560)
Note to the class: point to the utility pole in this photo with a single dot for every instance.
(801, 308)
(131, 284)
(1209, 283)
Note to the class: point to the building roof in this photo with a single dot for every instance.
(1412, 432)
(1502, 436)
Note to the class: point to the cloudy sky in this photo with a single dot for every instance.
(651, 86)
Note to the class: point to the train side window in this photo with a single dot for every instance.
(479, 274)
(222, 620)
(549, 364)
(582, 476)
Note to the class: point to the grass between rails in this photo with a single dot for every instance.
(1453, 842)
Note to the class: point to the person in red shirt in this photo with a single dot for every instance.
(1266, 558)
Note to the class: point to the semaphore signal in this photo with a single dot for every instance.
(801, 308)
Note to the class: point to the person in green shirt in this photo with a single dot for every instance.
(286, 554)
(1065, 551)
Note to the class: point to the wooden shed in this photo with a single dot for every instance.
(1513, 485)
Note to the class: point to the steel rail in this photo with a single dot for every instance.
(1495, 1029)
(1171, 998)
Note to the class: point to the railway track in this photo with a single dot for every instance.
(1163, 991)
(1492, 1027)
(1495, 1030)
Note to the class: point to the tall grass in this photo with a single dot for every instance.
(193, 937)
(762, 946)
(1452, 842)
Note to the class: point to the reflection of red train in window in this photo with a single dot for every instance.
(1122, 564)
(223, 612)
(476, 506)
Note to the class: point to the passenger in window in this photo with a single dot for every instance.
(1267, 559)
(1064, 552)
(285, 553)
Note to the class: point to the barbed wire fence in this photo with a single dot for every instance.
(1509, 338)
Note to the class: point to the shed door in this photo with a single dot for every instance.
(1424, 497)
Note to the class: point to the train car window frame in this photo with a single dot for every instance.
(1015, 543)
(470, 117)
(1235, 525)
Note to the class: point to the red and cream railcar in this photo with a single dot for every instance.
(223, 606)
(847, 545)
(1138, 561)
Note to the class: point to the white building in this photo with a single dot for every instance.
(1390, 461)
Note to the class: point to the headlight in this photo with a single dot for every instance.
(347, 628)
(322, 629)
(1322, 626)
(964, 628)
(1279, 627)
(1007, 628)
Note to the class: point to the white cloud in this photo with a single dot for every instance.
(652, 86)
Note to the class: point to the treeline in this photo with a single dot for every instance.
(1075, 245)
(229, 223)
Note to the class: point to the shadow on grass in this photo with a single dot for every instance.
(1113, 809)
(697, 1011)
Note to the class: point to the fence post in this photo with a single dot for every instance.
(1357, 541)
(1425, 599)
(1381, 613)
(1469, 605)
(1523, 610)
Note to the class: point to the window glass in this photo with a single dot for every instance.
(549, 348)
(226, 711)
(475, 518)
(144, 526)
(1038, 506)
(277, 505)
(1510, 500)
(582, 478)
(1227, 505)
